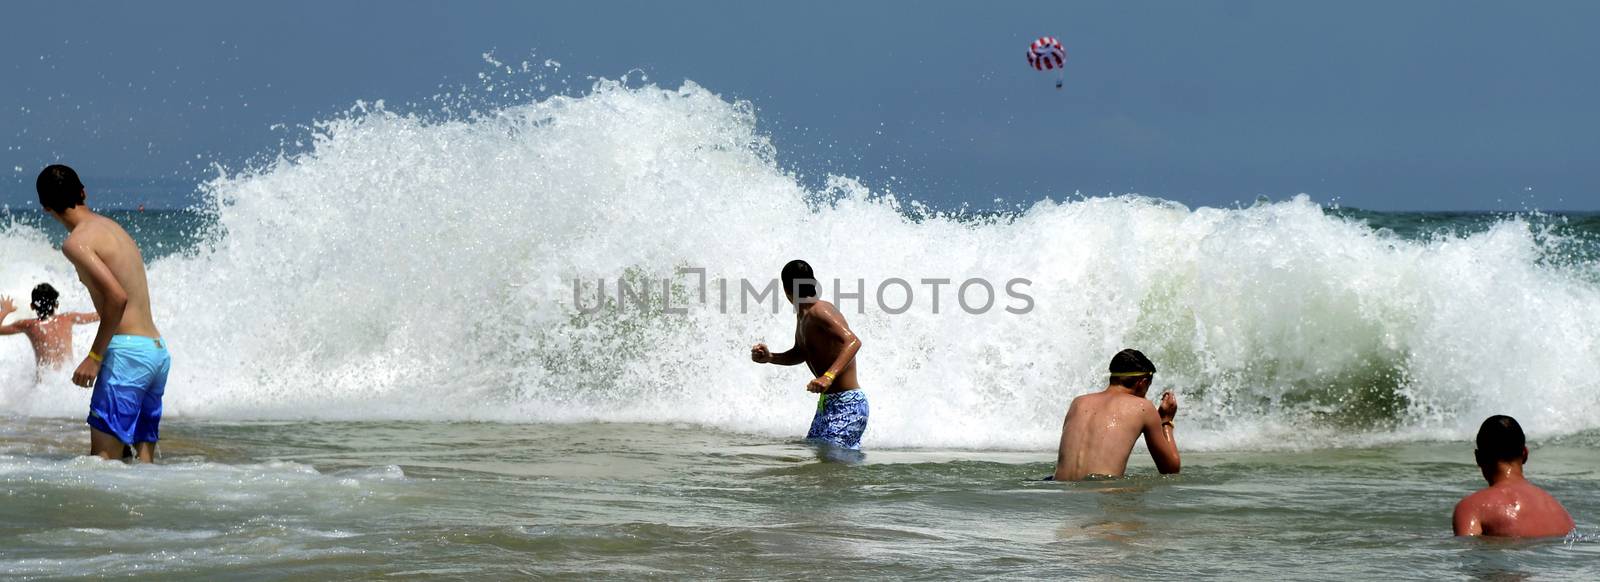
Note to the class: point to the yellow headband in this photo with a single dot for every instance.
(1131, 374)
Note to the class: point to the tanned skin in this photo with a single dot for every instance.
(1510, 506)
(51, 336)
(109, 264)
(823, 341)
(1101, 428)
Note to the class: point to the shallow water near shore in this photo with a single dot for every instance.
(345, 500)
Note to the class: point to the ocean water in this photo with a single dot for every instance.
(418, 500)
(381, 368)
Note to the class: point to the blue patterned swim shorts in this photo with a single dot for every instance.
(841, 419)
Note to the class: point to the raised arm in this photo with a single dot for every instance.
(6, 309)
(110, 301)
(17, 327)
(81, 318)
(1158, 435)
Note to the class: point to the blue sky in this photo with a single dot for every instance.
(1456, 105)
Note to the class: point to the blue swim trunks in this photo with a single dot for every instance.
(127, 393)
(841, 419)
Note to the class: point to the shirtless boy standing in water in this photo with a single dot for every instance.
(51, 333)
(128, 362)
(1510, 506)
(1102, 427)
(824, 342)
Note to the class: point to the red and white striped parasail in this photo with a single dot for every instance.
(1046, 54)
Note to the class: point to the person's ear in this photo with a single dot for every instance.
(1524, 454)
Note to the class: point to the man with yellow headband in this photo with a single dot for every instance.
(1102, 427)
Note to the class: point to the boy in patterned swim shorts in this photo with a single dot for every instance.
(824, 342)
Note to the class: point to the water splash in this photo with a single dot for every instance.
(408, 266)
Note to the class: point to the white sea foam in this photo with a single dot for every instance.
(407, 268)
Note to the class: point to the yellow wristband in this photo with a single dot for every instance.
(828, 375)
(96, 357)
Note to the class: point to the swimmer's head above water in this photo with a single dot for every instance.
(799, 283)
(59, 189)
(1511, 506)
(1500, 440)
(45, 299)
(1131, 369)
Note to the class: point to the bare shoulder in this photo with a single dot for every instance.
(85, 235)
(1072, 409)
(1481, 498)
(827, 309)
(1539, 495)
(1088, 399)
(111, 226)
(826, 314)
(76, 237)
(1138, 404)
(1104, 403)
(100, 235)
(96, 228)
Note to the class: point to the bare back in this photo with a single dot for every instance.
(112, 246)
(1512, 508)
(815, 336)
(52, 341)
(1099, 433)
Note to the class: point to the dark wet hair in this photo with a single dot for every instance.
(1130, 361)
(44, 300)
(1501, 439)
(59, 188)
(798, 270)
